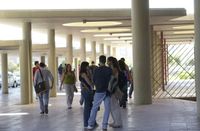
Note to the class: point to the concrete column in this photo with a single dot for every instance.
(52, 59)
(197, 51)
(93, 47)
(159, 64)
(26, 74)
(42, 59)
(57, 81)
(69, 49)
(4, 73)
(108, 51)
(66, 58)
(76, 68)
(152, 60)
(114, 52)
(83, 50)
(141, 52)
(155, 64)
(101, 49)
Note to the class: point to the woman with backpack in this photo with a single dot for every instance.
(69, 80)
(115, 108)
(86, 91)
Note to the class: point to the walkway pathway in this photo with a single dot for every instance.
(162, 115)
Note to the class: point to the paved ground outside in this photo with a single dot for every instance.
(162, 115)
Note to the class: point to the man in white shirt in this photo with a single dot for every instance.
(45, 95)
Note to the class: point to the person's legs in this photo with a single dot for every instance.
(46, 98)
(87, 106)
(41, 102)
(98, 98)
(106, 112)
(116, 112)
(71, 93)
(131, 91)
(67, 91)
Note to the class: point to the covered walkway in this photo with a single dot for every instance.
(162, 115)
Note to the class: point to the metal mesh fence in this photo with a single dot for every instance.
(173, 71)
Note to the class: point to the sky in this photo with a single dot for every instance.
(77, 4)
(89, 4)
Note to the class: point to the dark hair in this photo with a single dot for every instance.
(83, 68)
(93, 62)
(102, 59)
(67, 67)
(42, 64)
(122, 65)
(114, 62)
(123, 59)
(36, 62)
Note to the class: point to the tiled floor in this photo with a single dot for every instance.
(162, 115)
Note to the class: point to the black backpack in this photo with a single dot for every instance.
(122, 79)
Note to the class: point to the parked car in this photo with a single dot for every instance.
(11, 80)
(18, 79)
(17, 75)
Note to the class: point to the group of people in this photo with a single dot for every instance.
(98, 84)
(102, 78)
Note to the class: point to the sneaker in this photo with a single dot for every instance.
(114, 126)
(104, 128)
(130, 96)
(111, 124)
(81, 102)
(90, 127)
(42, 112)
(46, 109)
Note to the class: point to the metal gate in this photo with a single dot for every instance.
(173, 71)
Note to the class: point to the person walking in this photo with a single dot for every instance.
(69, 80)
(60, 72)
(129, 77)
(101, 78)
(115, 108)
(34, 71)
(44, 97)
(86, 91)
(131, 88)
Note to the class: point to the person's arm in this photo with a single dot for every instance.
(129, 74)
(63, 77)
(94, 78)
(86, 79)
(35, 78)
(51, 78)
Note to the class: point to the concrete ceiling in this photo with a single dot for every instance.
(162, 20)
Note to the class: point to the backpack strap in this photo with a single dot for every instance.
(41, 74)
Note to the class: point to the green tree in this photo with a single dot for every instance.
(12, 66)
(191, 62)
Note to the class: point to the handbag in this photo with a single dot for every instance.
(75, 89)
(40, 87)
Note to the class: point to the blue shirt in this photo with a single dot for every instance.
(60, 70)
(101, 78)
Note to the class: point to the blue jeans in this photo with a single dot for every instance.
(98, 98)
(131, 90)
(87, 106)
(45, 96)
(123, 101)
